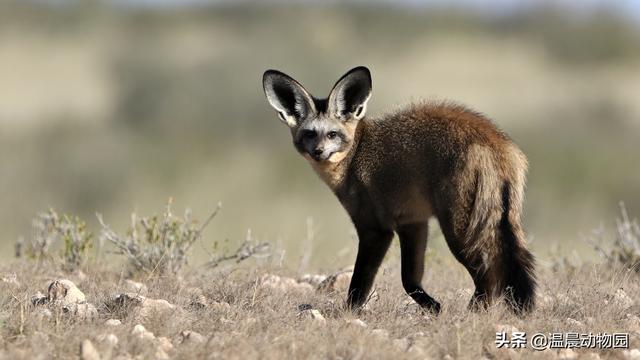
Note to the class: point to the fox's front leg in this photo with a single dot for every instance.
(413, 244)
(372, 246)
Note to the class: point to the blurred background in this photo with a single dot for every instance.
(116, 106)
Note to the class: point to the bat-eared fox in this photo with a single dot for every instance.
(394, 172)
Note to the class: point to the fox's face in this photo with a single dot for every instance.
(322, 129)
(323, 138)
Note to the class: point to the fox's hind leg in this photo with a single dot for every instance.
(413, 244)
(472, 261)
(372, 246)
(483, 296)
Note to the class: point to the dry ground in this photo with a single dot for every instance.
(265, 322)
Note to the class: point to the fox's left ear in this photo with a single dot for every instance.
(349, 96)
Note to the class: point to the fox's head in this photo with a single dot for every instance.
(322, 129)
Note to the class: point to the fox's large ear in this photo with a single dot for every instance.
(349, 96)
(287, 96)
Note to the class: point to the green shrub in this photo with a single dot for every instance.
(158, 244)
(49, 231)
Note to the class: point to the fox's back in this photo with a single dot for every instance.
(441, 129)
(407, 156)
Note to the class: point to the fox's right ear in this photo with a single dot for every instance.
(287, 96)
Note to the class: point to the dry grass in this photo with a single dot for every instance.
(261, 309)
(263, 322)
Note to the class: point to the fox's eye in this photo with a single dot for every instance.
(332, 134)
(309, 134)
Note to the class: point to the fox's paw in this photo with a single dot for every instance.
(432, 307)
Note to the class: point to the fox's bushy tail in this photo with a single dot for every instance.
(495, 227)
(519, 280)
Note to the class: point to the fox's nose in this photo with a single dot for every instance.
(318, 152)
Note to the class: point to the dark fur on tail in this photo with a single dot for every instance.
(519, 263)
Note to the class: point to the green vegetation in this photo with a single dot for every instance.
(49, 230)
(157, 244)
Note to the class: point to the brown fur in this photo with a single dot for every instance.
(436, 159)
(393, 173)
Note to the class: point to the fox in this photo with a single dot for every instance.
(394, 172)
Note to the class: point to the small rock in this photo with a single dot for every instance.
(142, 306)
(357, 322)
(220, 306)
(64, 292)
(567, 354)
(302, 287)
(417, 352)
(509, 329)
(200, 302)
(284, 284)
(633, 354)
(108, 340)
(160, 354)
(338, 282)
(314, 280)
(128, 299)
(312, 314)
(382, 333)
(270, 281)
(573, 322)
(39, 299)
(113, 322)
(403, 344)
(135, 287)
(447, 357)
(165, 344)
(155, 306)
(140, 332)
(198, 299)
(188, 337)
(88, 351)
(621, 299)
(408, 302)
(85, 311)
(11, 279)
